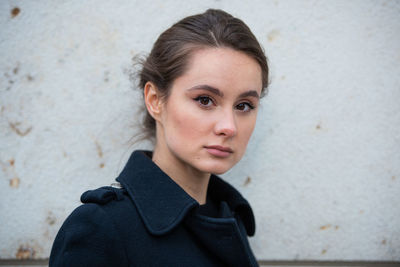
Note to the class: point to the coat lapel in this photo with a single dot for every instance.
(222, 237)
(163, 204)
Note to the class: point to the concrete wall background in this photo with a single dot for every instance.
(322, 170)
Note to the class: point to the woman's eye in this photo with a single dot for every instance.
(204, 101)
(245, 107)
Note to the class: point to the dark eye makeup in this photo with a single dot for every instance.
(244, 106)
(204, 101)
(207, 102)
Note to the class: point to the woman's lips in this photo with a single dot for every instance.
(219, 151)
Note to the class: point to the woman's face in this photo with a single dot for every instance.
(209, 116)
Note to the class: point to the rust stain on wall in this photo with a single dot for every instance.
(15, 70)
(25, 252)
(14, 182)
(15, 12)
(323, 251)
(247, 181)
(16, 128)
(99, 150)
(12, 76)
(383, 242)
(325, 227)
(328, 226)
(11, 161)
(51, 219)
(273, 35)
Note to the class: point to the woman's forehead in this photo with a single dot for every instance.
(222, 68)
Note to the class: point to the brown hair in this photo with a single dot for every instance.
(171, 52)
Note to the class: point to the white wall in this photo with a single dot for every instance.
(322, 170)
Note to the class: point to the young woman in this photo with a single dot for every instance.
(201, 83)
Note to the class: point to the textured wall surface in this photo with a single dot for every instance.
(322, 170)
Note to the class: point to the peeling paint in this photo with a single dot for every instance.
(15, 128)
(25, 252)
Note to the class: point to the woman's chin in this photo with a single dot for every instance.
(218, 172)
(217, 168)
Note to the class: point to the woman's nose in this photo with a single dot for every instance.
(226, 124)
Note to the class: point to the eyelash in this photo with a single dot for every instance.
(203, 97)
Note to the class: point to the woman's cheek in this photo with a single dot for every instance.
(189, 123)
(248, 128)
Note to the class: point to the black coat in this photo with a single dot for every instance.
(151, 221)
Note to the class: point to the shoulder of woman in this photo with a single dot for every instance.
(90, 235)
(103, 195)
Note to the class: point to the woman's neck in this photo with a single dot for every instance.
(194, 182)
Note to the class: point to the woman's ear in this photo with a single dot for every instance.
(152, 100)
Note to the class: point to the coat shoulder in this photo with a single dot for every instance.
(90, 236)
(103, 195)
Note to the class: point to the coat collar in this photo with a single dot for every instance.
(163, 204)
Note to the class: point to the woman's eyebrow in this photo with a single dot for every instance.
(216, 91)
(253, 93)
(207, 88)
